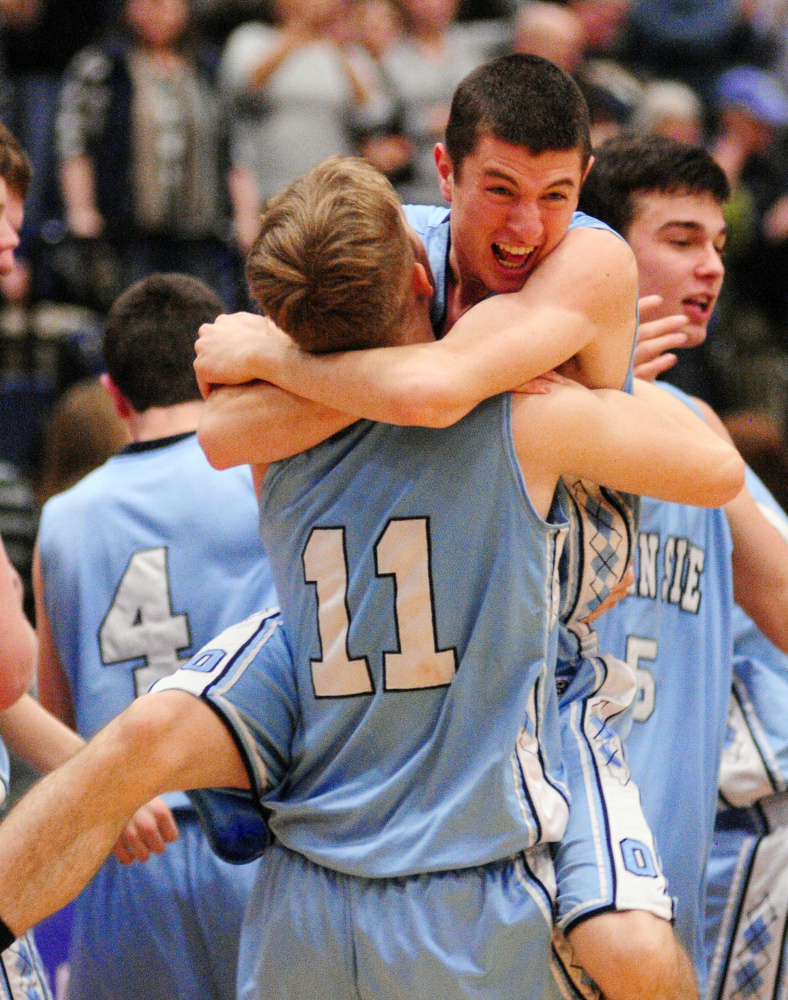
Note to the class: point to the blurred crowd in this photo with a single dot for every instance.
(157, 128)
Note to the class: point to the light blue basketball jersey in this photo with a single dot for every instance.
(418, 592)
(431, 222)
(143, 561)
(747, 909)
(675, 630)
(755, 760)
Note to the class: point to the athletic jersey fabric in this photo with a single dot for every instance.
(424, 733)
(675, 630)
(142, 562)
(747, 906)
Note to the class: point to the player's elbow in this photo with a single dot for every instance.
(726, 478)
(216, 443)
(428, 400)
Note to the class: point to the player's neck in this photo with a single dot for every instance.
(165, 421)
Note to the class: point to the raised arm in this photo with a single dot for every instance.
(579, 304)
(259, 423)
(54, 687)
(648, 444)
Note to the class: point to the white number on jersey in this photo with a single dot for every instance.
(140, 622)
(402, 552)
(639, 649)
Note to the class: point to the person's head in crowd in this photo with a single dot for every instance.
(752, 106)
(15, 176)
(602, 22)
(83, 431)
(429, 18)
(333, 263)
(517, 148)
(149, 340)
(549, 30)
(380, 24)
(669, 108)
(158, 25)
(666, 198)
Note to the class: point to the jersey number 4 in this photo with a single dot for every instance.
(140, 622)
(402, 552)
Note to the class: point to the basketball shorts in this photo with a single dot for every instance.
(481, 933)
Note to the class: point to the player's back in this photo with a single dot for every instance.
(418, 592)
(674, 629)
(142, 562)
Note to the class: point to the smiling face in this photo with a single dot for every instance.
(678, 241)
(509, 209)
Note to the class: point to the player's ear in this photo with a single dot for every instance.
(445, 170)
(422, 286)
(588, 167)
(123, 407)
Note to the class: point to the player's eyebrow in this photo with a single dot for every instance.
(689, 226)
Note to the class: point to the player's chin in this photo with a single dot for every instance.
(696, 334)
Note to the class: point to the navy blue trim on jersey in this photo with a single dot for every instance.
(135, 447)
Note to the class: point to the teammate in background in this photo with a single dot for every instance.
(667, 199)
(22, 969)
(136, 567)
(388, 796)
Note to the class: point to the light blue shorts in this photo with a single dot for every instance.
(164, 930)
(315, 934)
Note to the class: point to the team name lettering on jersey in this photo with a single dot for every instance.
(669, 571)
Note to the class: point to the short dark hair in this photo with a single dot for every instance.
(149, 339)
(522, 99)
(628, 165)
(15, 167)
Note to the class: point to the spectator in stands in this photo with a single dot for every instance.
(296, 94)
(139, 135)
(672, 109)
(425, 68)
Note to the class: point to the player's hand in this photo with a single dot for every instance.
(542, 384)
(235, 349)
(618, 593)
(656, 338)
(148, 832)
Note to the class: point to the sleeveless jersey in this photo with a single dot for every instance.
(602, 522)
(142, 562)
(747, 906)
(418, 593)
(674, 629)
(755, 759)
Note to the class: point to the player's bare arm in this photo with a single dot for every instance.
(641, 444)
(760, 557)
(499, 344)
(55, 839)
(17, 639)
(261, 423)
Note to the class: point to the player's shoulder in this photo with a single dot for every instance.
(425, 217)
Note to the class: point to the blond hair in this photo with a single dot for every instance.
(332, 262)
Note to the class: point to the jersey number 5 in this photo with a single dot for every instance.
(140, 622)
(401, 552)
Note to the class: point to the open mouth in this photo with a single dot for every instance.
(511, 256)
(698, 308)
